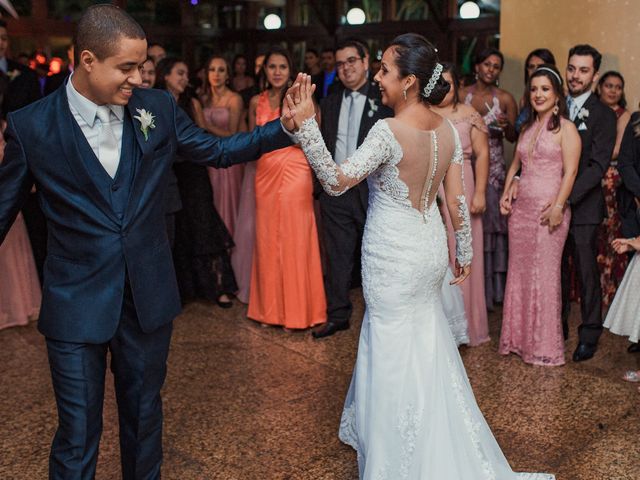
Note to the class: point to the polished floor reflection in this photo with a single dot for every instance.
(243, 402)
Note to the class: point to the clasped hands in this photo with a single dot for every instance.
(550, 215)
(298, 103)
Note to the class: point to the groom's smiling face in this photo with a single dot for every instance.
(111, 80)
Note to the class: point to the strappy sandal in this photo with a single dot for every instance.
(631, 376)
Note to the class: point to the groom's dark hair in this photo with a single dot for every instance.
(100, 29)
(584, 50)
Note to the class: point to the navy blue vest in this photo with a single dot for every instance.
(114, 190)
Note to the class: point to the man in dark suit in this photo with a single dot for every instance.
(596, 125)
(23, 89)
(347, 117)
(99, 150)
(628, 195)
(326, 81)
(55, 81)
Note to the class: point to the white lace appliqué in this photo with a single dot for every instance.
(473, 426)
(409, 427)
(464, 252)
(378, 147)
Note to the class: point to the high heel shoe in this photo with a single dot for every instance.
(224, 303)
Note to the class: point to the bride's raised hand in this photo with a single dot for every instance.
(461, 274)
(300, 105)
(305, 108)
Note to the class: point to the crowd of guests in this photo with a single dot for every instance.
(560, 225)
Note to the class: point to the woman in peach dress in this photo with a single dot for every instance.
(286, 278)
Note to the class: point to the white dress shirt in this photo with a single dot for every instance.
(579, 102)
(85, 113)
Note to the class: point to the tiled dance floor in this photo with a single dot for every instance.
(244, 402)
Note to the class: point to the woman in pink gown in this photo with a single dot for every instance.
(223, 112)
(244, 235)
(473, 134)
(20, 293)
(548, 152)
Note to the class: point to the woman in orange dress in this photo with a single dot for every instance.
(286, 277)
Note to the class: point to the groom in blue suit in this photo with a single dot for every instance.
(100, 161)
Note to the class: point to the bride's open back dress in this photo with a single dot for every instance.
(410, 412)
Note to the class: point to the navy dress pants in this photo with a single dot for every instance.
(139, 366)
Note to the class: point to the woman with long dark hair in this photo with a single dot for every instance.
(223, 114)
(535, 59)
(286, 280)
(499, 110)
(410, 412)
(610, 90)
(201, 252)
(548, 153)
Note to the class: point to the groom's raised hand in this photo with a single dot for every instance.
(287, 114)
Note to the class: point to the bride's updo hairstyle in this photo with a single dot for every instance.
(415, 55)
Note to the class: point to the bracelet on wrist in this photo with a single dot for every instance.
(558, 205)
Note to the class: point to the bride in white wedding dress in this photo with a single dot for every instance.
(410, 412)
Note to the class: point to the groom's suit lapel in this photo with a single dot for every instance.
(76, 147)
(138, 152)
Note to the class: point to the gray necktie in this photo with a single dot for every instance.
(352, 129)
(108, 146)
(573, 108)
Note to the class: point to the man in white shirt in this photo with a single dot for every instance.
(347, 117)
(99, 150)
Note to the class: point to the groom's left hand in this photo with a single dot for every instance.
(287, 113)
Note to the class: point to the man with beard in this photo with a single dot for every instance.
(596, 125)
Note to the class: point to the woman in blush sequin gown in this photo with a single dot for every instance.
(548, 153)
(499, 110)
(286, 281)
(223, 112)
(473, 137)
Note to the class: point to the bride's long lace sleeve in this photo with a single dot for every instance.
(457, 205)
(337, 179)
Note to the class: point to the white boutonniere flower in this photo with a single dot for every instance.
(13, 74)
(146, 120)
(583, 114)
(373, 107)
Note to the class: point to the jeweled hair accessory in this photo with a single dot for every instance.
(431, 84)
(547, 69)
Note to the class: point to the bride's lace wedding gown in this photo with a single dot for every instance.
(410, 412)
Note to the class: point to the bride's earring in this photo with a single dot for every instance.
(404, 94)
(556, 109)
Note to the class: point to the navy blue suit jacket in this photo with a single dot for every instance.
(90, 249)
